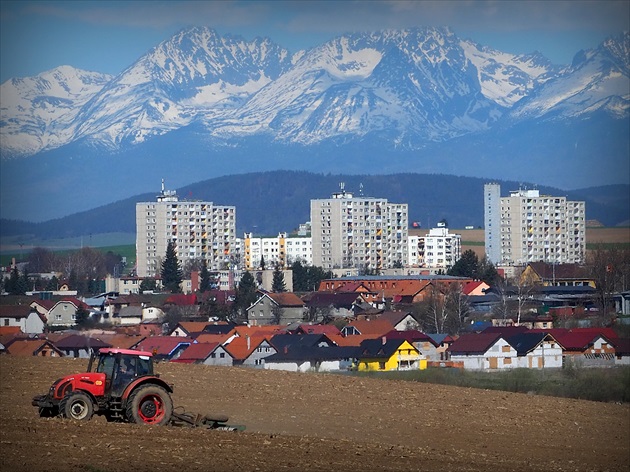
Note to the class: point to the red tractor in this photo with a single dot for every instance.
(120, 384)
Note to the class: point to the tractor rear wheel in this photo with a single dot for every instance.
(149, 404)
(77, 406)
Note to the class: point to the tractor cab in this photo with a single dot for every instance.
(121, 366)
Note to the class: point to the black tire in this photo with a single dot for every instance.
(47, 412)
(77, 406)
(149, 404)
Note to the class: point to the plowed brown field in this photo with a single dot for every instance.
(313, 422)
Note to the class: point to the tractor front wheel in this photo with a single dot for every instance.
(149, 404)
(77, 406)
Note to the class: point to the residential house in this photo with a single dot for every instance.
(375, 328)
(475, 288)
(64, 312)
(33, 347)
(558, 275)
(130, 315)
(536, 350)
(250, 351)
(311, 359)
(586, 348)
(165, 348)
(421, 341)
(442, 341)
(400, 320)
(26, 318)
(206, 354)
(308, 328)
(276, 308)
(330, 305)
(280, 341)
(482, 351)
(189, 328)
(42, 307)
(76, 345)
(388, 354)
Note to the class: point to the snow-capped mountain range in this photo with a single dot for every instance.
(421, 92)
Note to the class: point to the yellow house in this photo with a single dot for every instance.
(389, 355)
(558, 275)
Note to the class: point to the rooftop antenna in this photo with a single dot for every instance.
(162, 186)
(342, 187)
(361, 189)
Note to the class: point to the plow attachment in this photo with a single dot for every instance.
(210, 421)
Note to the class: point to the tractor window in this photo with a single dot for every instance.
(143, 367)
(105, 365)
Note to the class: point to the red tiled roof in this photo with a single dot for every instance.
(197, 352)
(238, 346)
(182, 299)
(213, 338)
(473, 343)
(29, 347)
(578, 341)
(163, 345)
(349, 341)
(318, 329)
(9, 330)
(376, 327)
(286, 299)
(15, 311)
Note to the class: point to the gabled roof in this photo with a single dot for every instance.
(163, 345)
(470, 287)
(315, 354)
(191, 327)
(334, 299)
(9, 330)
(120, 341)
(395, 317)
(74, 301)
(279, 341)
(348, 341)
(474, 343)
(328, 330)
(579, 341)
(439, 338)
(213, 338)
(526, 342)
(376, 327)
(506, 330)
(30, 347)
(198, 352)
(219, 327)
(378, 348)
(238, 347)
(45, 304)
(264, 330)
(286, 299)
(16, 311)
(77, 341)
(548, 271)
(410, 335)
(130, 312)
(353, 287)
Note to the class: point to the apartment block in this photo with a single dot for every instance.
(536, 227)
(438, 249)
(200, 231)
(277, 251)
(358, 232)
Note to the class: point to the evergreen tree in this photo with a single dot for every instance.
(262, 262)
(205, 281)
(171, 270)
(488, 272)
(148, 285)
(53, 284)
(300, 282)
(466, 266)
(24, 282)
(245, 295)
(82, 318)
(12, 282)
(278, 284)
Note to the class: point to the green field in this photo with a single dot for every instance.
(125, 250)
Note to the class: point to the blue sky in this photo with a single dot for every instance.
(107, 36)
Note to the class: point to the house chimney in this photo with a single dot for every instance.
(384, 340)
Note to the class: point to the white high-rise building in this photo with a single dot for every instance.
(200, 231)
(438, 249)
(492, 221)
(536, 227)
(279, 251)
(358, 232)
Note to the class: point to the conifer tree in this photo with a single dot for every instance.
(204, 278)
(278, 284)
(171, 270)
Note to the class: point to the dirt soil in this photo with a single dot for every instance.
(313, 422)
